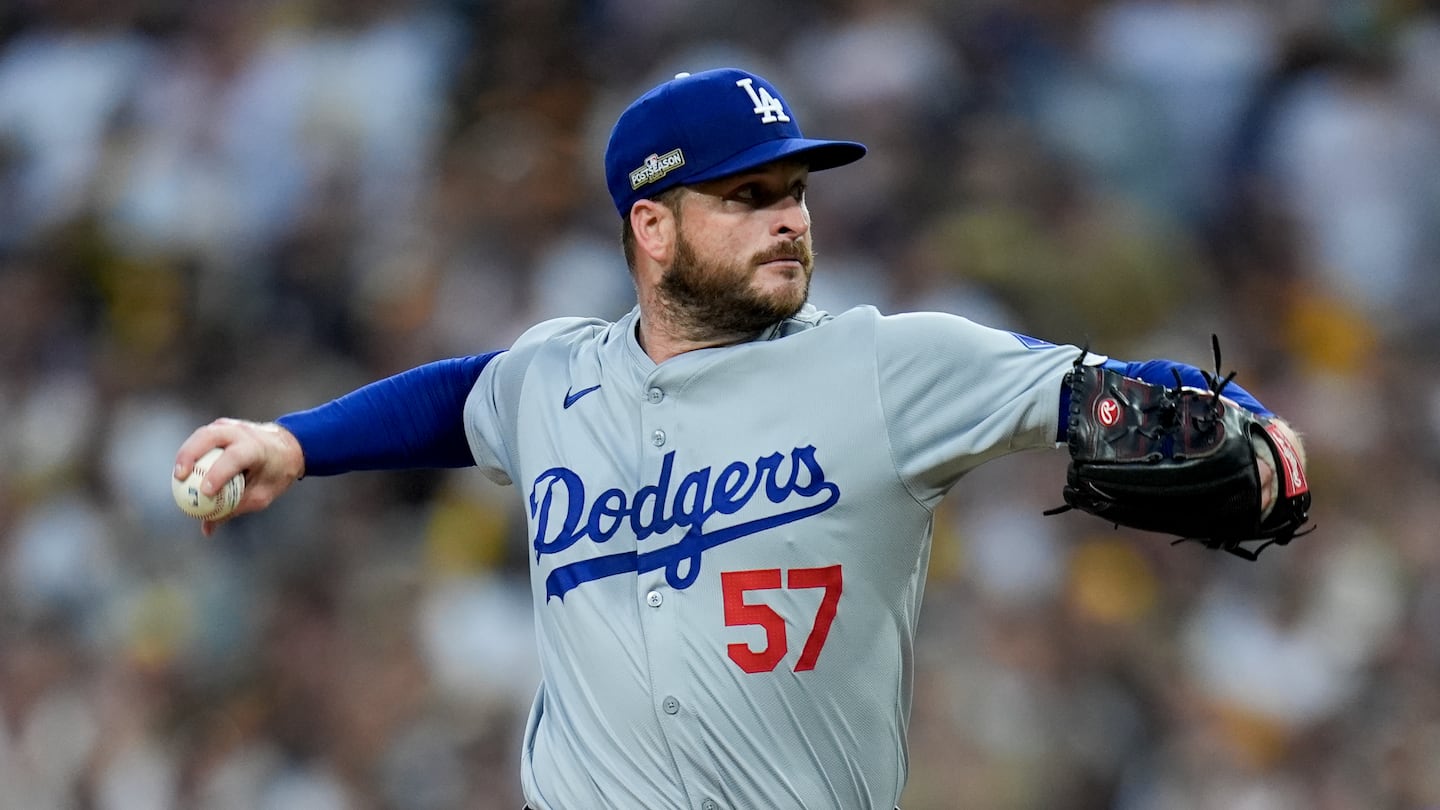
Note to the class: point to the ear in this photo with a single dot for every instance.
(655, 231)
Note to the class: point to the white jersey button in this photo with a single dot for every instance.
(671, 705)
(658, 438)
(709, 804)
(653, 599)
(654, 395)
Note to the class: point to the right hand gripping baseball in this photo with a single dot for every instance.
(269, 456)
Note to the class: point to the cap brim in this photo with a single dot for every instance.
(816, 154)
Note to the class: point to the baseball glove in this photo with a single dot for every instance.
(1178, 460)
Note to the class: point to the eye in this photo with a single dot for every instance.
(762, 195)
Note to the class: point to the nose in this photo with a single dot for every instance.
(792, 219)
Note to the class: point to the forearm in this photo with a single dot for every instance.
(412, 420)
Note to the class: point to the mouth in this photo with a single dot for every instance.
(790, 258)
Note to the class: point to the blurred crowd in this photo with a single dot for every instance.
(247, 208)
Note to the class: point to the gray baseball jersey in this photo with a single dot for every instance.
(728, 549)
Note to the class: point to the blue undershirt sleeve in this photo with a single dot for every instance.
(412, 420)
(1159, 372)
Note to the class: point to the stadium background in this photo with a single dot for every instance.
(243, 208)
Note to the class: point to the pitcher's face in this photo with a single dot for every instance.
(743, 256)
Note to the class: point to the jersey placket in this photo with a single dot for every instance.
(661, 603)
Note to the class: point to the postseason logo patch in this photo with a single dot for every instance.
(656, 167)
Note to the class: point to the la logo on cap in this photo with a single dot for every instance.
(767, 106)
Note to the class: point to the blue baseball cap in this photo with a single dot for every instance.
(701, 126)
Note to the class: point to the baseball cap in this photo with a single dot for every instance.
(700, 126)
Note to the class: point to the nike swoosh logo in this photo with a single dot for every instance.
(571, 399)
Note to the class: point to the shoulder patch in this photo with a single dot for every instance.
(1032, 343)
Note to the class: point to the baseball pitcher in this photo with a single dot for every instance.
(730, 493)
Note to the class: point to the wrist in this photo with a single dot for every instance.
(291, 453)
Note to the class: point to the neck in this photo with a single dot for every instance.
(664, 334)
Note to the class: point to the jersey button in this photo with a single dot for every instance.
(654, 598)
(658, 438)
(671, 705)
(654, 395)
(709, 804)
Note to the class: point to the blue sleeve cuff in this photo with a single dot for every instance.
(412, 420)
(1159, 372)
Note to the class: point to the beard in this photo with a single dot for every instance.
(716, 299)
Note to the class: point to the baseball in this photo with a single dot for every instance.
(197, 504)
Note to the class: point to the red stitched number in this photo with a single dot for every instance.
(829, 579)
(734, 584)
